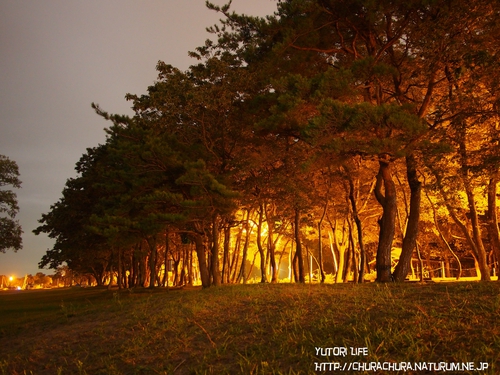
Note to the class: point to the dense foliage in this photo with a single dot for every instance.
(10, 229)
(287, 143)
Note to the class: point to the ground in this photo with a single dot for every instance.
(253, 329)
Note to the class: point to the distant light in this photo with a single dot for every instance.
(18, 288)
(11, 278)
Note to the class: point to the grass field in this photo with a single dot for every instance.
(253, 329)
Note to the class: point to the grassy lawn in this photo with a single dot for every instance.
(252, 329)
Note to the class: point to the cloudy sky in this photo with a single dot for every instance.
(59, 56)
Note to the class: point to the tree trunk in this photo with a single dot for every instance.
(298, 248)
(420, 262)
(152, 261)
(340, 247)
(245, 251)
(359, 228)
(142, 265)
(271, 245)
(465, 231)
(295, 267)
(259, 246)
(441, 236)
(348, 254)
(476, 233)
(388, 220)
(493, 220)
(354, 258)
(189, 251)
(410, 238)
(202, 260)
(120, 270)
(233, 268)
(272, 257)
(320, 245)
(164, 282)
(226, 267)
(477, 245)
(214, 264)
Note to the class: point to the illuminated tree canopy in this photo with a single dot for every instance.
(300, 145)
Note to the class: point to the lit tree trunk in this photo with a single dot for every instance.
(152, 261)
(283, 252)
(164, 282)
(214, 264)
(271, 246)
(340, 247)
(388, 220)
(348, 253)
(420, 262)
(410, 238)
(354, 257)
(441, 236)
(142, 265)
(120, 270)
(320, 245)
(272, 257)
(189, 251)
(465, 231)
(359, 228)
(476, 233)
(226, 269)
(295, 267)
(259, 245)
(341, 264)
(242, 273)
(233, 268)
(493, 219)
(477, 245)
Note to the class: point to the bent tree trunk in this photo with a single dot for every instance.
(387, 200)
(410, 238)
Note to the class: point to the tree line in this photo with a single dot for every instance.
(323, 139)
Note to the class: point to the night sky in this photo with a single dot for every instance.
(59, 56)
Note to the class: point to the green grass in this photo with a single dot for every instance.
(247, 329)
